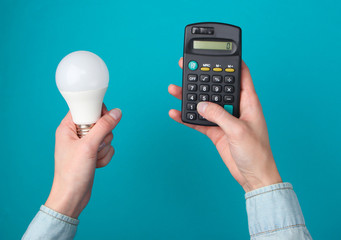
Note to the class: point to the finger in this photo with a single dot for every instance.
(246, 79)
(176, 115)
(176, 91)
(68, 118)
(104, 109)
(181, 62)
(103, 151)
(107, 141)
(103, 127)
(106, 159)
(217, 114)
(67, 128)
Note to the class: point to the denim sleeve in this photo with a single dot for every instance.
(48, 224)
(275, 213)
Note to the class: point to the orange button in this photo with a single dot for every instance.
(230, 70)
(205, 69)
(217, 69)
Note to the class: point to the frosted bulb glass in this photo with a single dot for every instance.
(82, 78)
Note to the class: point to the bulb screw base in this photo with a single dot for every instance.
(83, 129)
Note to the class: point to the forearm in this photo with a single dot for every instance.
(274, 213)
(48, 224)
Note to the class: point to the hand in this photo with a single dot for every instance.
(242, 143)
(76, 160)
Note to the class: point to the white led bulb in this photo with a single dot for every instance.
(82, 78)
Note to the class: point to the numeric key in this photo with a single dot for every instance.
(204, 88)
(191, 116)
(192, 87)
(191, 106)
(203, 97)
(191, 97)
(216, 88)
(216, 98)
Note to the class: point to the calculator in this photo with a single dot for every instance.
(211, 70)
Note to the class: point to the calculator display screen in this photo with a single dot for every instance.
(212, 45)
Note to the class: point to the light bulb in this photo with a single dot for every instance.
(82, 78)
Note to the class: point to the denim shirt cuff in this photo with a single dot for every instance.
(49, 224)
(273, 208)
(59, 216)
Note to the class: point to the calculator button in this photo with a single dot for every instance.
(229, 108)
(195, 30)
(205, 69)
(231, 70)
(229, 89)
(217, 79)
(216, 98)
(191, 106)
(191, 97)
(193, 65)
(206, 30)
(203, 97)
(216, 88)
(217, 69)
(204, 78)
(229, 79)
(191, 116)
(192, 87)
(228, 99)
(192, 77)
(204, 88)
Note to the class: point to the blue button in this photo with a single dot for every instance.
(193, 65)
(229, 108)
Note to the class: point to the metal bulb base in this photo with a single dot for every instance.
(83, 129)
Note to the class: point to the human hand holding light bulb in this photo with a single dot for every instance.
(82, 78)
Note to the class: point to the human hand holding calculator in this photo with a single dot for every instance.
(243, 143)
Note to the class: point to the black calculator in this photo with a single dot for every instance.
(211, 70)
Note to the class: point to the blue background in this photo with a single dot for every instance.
(167, 181)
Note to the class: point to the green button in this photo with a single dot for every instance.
(193, 65)
(229, 108)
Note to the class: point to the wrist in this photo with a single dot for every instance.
(64, 201)
(255, 183)
(266, 177)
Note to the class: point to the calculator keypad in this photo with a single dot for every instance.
(209, 84)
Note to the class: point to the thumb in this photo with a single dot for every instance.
(104, 126)
(218, 115)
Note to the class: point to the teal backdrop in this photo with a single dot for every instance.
(167, 181)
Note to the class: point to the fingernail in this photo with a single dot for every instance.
(116, 113)
(202, 107)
